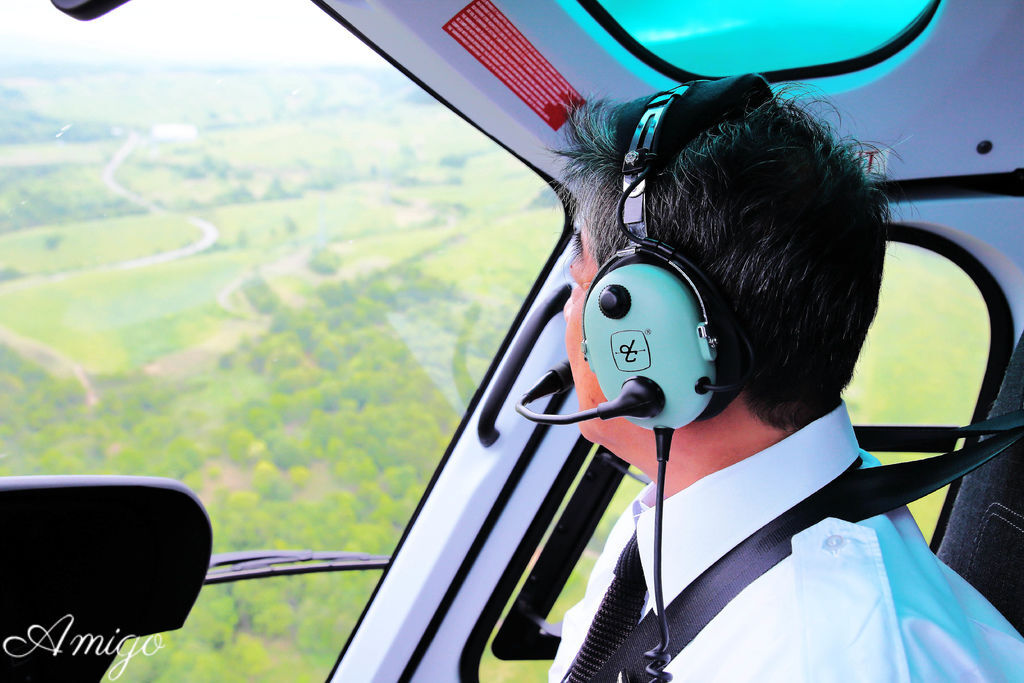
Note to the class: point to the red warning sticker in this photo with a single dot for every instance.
(488, 35)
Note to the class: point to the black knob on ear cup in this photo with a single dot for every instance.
(614, 301)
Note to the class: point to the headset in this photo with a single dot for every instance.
(663, 342)
(660, 337)
(651, 315)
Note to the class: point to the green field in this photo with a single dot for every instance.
(114, 321)
(57, 152)
(88, 244)
(53, 194)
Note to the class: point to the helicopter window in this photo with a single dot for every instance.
(912, 372)
(271, 277)
(799, 37)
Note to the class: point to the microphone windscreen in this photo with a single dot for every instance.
(555, 381)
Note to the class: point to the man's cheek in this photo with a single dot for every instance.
(588, 390)
(581, 372)
(573, 332)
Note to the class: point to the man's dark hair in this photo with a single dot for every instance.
(781, 214)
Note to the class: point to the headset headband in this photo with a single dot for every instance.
(665, 124)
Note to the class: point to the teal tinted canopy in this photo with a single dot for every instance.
(716, 38)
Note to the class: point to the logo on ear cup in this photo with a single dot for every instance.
(630, 350)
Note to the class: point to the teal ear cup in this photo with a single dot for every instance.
(640, 320)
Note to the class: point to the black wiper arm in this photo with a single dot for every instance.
(255, 564)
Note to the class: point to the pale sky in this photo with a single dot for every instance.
(181, 31)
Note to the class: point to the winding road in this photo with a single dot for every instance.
(209, 234)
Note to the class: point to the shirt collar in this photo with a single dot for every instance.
(711, 516)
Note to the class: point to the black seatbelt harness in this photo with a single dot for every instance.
(854, 496)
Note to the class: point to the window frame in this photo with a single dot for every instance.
(460, 432)
(1002, 337)
(474, 403)
(681, 75)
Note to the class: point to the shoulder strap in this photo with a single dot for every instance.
(854, 496)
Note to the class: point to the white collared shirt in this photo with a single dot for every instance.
(854, 602)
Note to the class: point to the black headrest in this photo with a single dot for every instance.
(703, 104)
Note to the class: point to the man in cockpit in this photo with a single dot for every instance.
(783, 217)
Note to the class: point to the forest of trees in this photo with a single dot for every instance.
(336, 454)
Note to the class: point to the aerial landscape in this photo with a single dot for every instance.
(263, 287)
(283, 287)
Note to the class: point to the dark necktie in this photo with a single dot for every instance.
(618, 614)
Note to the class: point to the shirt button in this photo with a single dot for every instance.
(834, 543)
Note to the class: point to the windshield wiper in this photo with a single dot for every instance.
(255, 564)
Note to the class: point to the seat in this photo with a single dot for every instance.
(984, 533)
